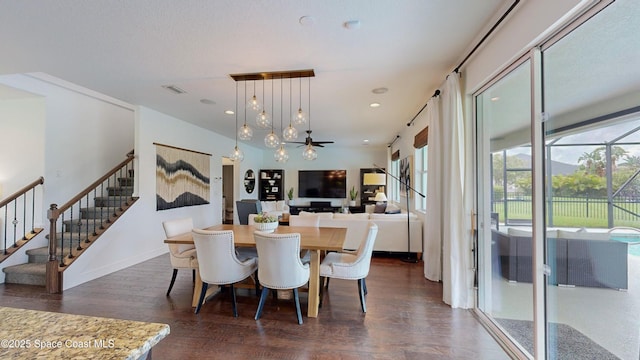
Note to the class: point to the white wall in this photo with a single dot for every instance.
(139, 236)
(330, 157)
(69, 135)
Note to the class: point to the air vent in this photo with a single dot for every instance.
(174, 89)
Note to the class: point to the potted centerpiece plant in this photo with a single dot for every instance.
(353, 195)
(290, 196)
(265, 222)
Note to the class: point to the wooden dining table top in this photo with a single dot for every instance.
(311, 238)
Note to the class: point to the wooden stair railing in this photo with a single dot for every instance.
(11, 206)
(112, 196)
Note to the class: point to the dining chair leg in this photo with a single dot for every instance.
(327, 284)
(322, 279)
(173, 279)
(193, 275)
(364, 285)
(263, 298)
(298, 312)
(202, 295)
(361, 292)
(233, 300)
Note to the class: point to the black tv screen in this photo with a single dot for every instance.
(322, 184)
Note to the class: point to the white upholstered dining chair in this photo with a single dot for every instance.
(350, 265)
(182, 256)
(309, 221)
(218, 263)
(280, 267)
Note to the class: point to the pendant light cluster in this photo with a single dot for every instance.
(265, 119)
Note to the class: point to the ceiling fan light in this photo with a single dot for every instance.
(245, 132)
(281, 154)
(237, 154)
(272, 140)
(309, 153)
(263, 120)
(290, 133)
(299, 118)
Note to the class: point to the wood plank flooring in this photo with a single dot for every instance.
(405, 319)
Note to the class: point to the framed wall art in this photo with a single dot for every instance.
(182, 177)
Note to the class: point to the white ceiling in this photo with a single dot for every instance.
(129, 49)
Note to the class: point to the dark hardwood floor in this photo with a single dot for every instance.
(405, 319)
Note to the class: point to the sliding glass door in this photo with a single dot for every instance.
(559, 192)
(592, 144)
(504, 189)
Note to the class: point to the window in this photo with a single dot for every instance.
(394, 186)
(421, 178)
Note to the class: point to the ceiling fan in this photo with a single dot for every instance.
(309, 140)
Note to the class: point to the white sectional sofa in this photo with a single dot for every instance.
(392, 229)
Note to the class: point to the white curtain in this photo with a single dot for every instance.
(448, 199)
(433, 220)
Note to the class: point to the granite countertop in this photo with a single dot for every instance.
(31, 334)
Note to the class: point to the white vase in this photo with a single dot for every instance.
(266, 227)
(352, 203)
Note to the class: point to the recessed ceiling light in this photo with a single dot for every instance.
(207, 101)
(365, 142)
(495, 98)
(380, 90)
(174, 89)
(229, 112)
(374, 105)
(352, 24)
(306, 20)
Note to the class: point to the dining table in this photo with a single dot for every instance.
(313, 239)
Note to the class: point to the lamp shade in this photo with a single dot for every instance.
(381, 197)
(374, 179)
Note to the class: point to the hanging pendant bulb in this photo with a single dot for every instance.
(281, 154)
(245, 132)
(253, 102)
(309, 153)
(272, 140)
(290, 133)
(299, 118)
(237, 154)
(263, 120)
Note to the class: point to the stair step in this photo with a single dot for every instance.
(41, 255)
(81, 225)
(27, 274)
(103, 212)
(120, 191)
(112, 201)
(125, 181)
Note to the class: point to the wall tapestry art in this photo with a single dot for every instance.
(182, 177)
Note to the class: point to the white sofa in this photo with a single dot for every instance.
(275, 208)
(392, 229)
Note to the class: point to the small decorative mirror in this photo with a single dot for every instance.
(249, 181)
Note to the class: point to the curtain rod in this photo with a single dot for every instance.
(484, 38)
(394, 140)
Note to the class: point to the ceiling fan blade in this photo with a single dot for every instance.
(323, 142)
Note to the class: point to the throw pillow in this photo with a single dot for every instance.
(393, 211)
(380, 208)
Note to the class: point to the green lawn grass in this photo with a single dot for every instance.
(574, 212)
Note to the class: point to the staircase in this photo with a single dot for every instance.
(77, 234)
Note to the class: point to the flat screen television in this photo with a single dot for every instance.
(330, 184)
